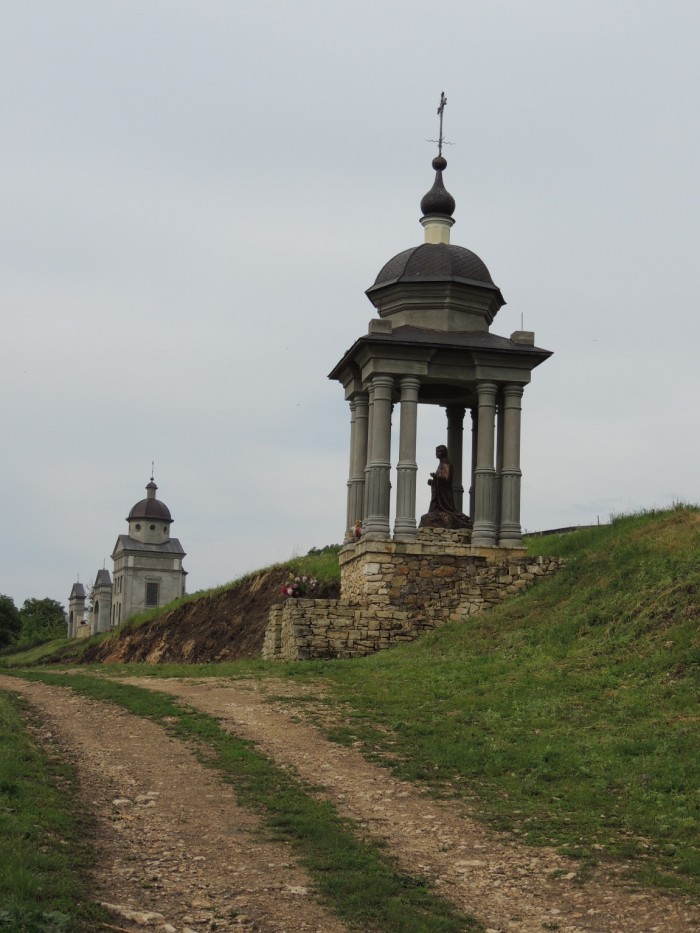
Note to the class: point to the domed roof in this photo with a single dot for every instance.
(150, 507)
(434, 262)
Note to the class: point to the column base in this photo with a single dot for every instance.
(405, 529)
(376, 536)
(484, 534)
(510, 536)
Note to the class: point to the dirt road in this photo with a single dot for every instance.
(176, 843)
(175, 852)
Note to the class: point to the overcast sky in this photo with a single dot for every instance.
(195, 196)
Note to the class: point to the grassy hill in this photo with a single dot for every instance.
(571, 713)
(568, 716)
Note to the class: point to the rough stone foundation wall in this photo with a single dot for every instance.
(394, 592)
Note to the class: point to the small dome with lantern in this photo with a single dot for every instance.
(437, 285)
(150, 507)
(150, 519)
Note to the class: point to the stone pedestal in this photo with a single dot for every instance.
(393, 592)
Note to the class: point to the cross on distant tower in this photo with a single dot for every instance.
(152, 465)
(441, 110)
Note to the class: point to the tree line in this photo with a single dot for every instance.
(38, 620)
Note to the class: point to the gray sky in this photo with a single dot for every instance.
(195, 196)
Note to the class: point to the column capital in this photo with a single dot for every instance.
(455, 415)
(409, 386)
(513, 390)
(485, 389)
(382, 380)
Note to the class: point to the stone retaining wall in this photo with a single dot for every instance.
(394, 592)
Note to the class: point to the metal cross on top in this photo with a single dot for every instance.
(441, 110)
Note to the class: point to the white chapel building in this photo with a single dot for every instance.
(148, 572)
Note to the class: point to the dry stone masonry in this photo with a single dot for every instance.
(392, 592)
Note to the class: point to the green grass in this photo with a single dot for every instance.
(37, 653)
(44, 836)
(353, 876)
(569, 715)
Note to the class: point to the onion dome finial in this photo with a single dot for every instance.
(438, 200)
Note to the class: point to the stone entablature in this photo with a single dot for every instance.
(394, 592)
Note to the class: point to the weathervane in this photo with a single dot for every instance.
(441, 109)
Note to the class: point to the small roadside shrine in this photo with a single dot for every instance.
(430, 344)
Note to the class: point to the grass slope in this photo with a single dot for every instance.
(571, 712)
(568, 715)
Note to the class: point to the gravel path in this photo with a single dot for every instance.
(175, 852)
(509, 887)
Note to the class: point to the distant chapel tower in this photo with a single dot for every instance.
(148, 568)
(101, 603)
(76, 609)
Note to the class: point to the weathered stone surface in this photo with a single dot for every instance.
(392, 592)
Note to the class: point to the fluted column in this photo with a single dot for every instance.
(484, 529)
(358, 461)
(376, 524)
(500, 425)
(349, 521)
(405, 528)
(472, 469)
(510, 532)
(455, 450)
(368, 458)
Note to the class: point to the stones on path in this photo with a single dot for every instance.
(510, 887)
(174, 851)
(143, 918)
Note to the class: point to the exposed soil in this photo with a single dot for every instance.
(175, 843)
(229, 626)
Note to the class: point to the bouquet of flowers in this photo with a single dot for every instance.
(300, 587)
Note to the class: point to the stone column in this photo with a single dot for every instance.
(376, 525)
(405, 528)
(510, 532)
(350, 511)
(499, 457)
(455, 449)
(472, 469)
(358, 461)
(370, 427)
(484, 530)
